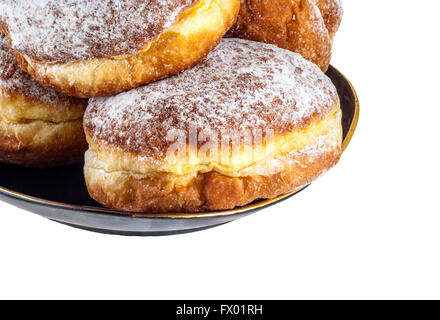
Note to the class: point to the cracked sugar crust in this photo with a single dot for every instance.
(241, 85)
(15, 81)
(59, 31)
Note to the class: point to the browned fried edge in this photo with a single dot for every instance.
(207, 191)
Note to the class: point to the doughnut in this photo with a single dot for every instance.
(304, 26)
(89, 48)
(38, 127)
(251, 121)
(332, 12)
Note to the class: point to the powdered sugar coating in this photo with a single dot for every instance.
(332, 12)
(241, 85)
(15, 81)
(71, 30)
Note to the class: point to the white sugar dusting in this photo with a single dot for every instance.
(339, 9)
(14, 80)
(332, 8)
(241, 85)
(70, 30)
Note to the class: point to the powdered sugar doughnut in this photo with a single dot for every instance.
(303, 26)
(251, 121)
(38, 126)
(88, 48)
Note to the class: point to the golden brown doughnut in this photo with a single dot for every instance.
(91, 48)
(251, 121)
(303, 26)
(332, 12)
(38, 127)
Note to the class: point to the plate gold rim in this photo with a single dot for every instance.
(237, 211)
(355, 120)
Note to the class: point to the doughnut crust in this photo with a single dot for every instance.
(91, 48)
(303, 26)
(251, 121)
(38, 127)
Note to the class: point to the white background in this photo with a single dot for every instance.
(370, 228)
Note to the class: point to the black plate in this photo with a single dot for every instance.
(60, 194)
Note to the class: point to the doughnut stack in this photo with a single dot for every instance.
(173, 105)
